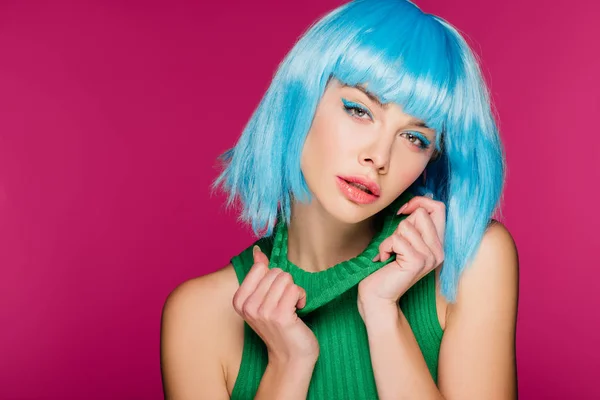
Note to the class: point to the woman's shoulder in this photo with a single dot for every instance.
(198, 326)
(217, 283)
(496, 257)
(205, 299)
(497, 235)
(493, 271)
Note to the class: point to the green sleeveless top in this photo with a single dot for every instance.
(343, 369)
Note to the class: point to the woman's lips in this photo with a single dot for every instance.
(355, 194)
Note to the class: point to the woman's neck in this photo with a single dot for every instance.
(317, 241)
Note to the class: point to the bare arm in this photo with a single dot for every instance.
(477, 354)
(289, 380)
(190, 345)
(267, 299)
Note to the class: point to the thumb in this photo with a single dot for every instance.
(301, 298)
(259, 256)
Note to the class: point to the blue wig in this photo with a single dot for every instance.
(404, 56)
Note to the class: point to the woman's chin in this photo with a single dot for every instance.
(351, 213)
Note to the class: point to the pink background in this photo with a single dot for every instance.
(111, 118)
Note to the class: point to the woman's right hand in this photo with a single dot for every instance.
(267, 300)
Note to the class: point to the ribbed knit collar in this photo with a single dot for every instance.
(324, 286)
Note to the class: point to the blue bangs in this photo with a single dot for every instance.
(393, 65)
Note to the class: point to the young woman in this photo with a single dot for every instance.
(370, 170)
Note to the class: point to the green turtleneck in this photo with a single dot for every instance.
(343, 369)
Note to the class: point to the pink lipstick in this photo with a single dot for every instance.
(358, 189)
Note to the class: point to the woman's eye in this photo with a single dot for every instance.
(423, 144)
(355, 110)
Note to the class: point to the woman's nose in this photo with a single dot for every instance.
(377, 159)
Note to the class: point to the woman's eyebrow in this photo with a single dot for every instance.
(421, 124)
(370, 95)
(375, 99)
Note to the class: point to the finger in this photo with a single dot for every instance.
(249, 284)
(382, 254)
(395, 244)
(410, 220)
(410, 233)
(424, 224)
(259, 256)
(425, 202)
(293, 297)
(278, 287)
(436, 209)
(257, 298)
(301, 298)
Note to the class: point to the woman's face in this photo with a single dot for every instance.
(352, 136)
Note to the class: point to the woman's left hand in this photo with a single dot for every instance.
(418, 243)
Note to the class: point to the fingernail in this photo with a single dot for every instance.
(255, 249)
(402, 208)
(376, 258)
